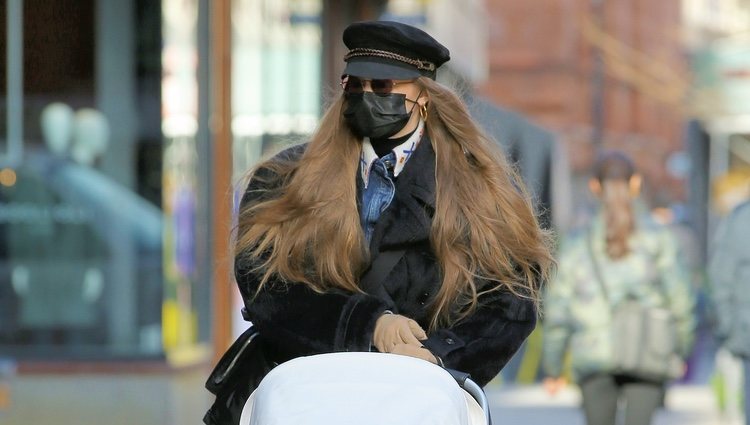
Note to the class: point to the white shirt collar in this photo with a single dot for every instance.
(403, 152)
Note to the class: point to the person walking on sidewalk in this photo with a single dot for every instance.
(620, 255)
(729, 277)
(397, 170)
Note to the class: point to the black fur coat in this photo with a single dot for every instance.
(295, 321)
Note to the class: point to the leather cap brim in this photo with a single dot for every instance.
(381, 68)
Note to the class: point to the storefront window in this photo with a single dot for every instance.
(180, 58)
(276, 80)
(81, 219)
(276, 75)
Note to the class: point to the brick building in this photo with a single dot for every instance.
(596, 72)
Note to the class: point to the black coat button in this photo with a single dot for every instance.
(449, 341)
(423, 298)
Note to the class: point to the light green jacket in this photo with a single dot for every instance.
(576, 313)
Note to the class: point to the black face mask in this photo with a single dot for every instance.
(375, 116)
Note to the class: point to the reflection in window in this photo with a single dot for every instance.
(80, 246)
(276, 75)
(276, 82)
(179, 86)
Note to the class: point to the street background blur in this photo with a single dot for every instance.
(127, 125)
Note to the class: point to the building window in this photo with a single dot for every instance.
(81, 274)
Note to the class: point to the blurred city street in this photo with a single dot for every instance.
(181, 399)
(129, 129)
(531, 405)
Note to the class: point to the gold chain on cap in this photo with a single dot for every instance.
(360, 51)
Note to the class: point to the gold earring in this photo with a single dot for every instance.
(423, 111)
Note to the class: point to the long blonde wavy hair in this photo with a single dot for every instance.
(484, 226)
(614, 171)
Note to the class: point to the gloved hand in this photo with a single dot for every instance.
(394, 329)
(413, 351)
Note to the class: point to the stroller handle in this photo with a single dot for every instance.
(464, 381)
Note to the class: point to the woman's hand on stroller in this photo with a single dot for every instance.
(412, 351)
(394, 329)
(397, 334)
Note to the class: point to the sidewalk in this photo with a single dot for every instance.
(531, 405)
(107, 399)
(178, 399)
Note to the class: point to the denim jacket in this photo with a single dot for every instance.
(378, 175)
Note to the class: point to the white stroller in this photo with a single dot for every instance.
(365, 389)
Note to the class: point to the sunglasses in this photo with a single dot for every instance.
(356, 85)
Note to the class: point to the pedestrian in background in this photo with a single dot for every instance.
(621, 254)
(729, 277)
(398, 182)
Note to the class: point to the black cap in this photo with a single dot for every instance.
(385, 49)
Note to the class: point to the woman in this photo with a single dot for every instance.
(621, 255)
(398, 228)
